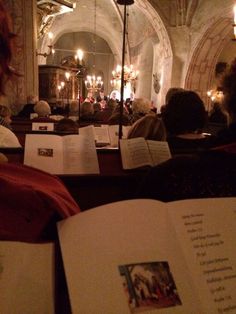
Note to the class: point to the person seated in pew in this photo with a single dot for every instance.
(5, 116)
(184, 117)
(32, 201)
(115, 116)
(28, 107)
(205, 174)
(67, 125)
(140, 107)
(7, 137)
(87, 112)
(43, 111)
(151, 127)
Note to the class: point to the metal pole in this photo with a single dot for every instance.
(122, 76)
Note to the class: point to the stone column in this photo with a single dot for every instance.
(24, 16)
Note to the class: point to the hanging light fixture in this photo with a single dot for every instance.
(130, 75)
(93, 83)
(124, 3)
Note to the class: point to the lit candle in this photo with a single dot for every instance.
(209, 93)
(80, 54)
(235, 14)
(67, 75)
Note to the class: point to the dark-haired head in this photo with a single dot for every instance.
(184, 113)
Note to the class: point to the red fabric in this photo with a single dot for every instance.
(31, 201)
(229, 148)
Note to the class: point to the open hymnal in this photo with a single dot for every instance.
(145, 256)
(138, 152)
(69, 154)
(106, 135)
(43, 126)
(27, 278)
(133, 256)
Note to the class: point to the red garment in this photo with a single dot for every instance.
(31, 202)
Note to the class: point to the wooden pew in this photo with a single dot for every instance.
(112, 184)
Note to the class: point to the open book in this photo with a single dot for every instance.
(138, 152)
(145, 256)
(27, 278)
(105, 135)
(135, 256)
(69, 154)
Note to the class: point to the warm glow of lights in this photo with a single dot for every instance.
(67, 75)
(235, 14)
(79, 54)
(93, 83)
(130, 75)
(215, 95)
(50, 35)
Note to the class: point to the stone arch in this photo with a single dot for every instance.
(200, 73)
(163, 48)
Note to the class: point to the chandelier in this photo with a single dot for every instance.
(93, 83)
(216, 95)
(130, 75)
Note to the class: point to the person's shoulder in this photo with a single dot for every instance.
(8, 138)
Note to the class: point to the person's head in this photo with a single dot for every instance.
(32, 99)
(42, 108)
(74, 107)
(184, 113)
(112, 103)
(5, 113)
(67, 125)
(86, 108)
(115, 95)
(6, 37)
(97, 107)
(171, 91)
(151, 127)
(141, 106)
(229, 90)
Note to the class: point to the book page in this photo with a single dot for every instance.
(26, 278)
(44, 152)
(101, 135)
(134, 153)
(87, 131)
(125, 130)
(206, 230)
(123, 258)
(80, 155)
(114, 135)
(42, 126)
(159, 151)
